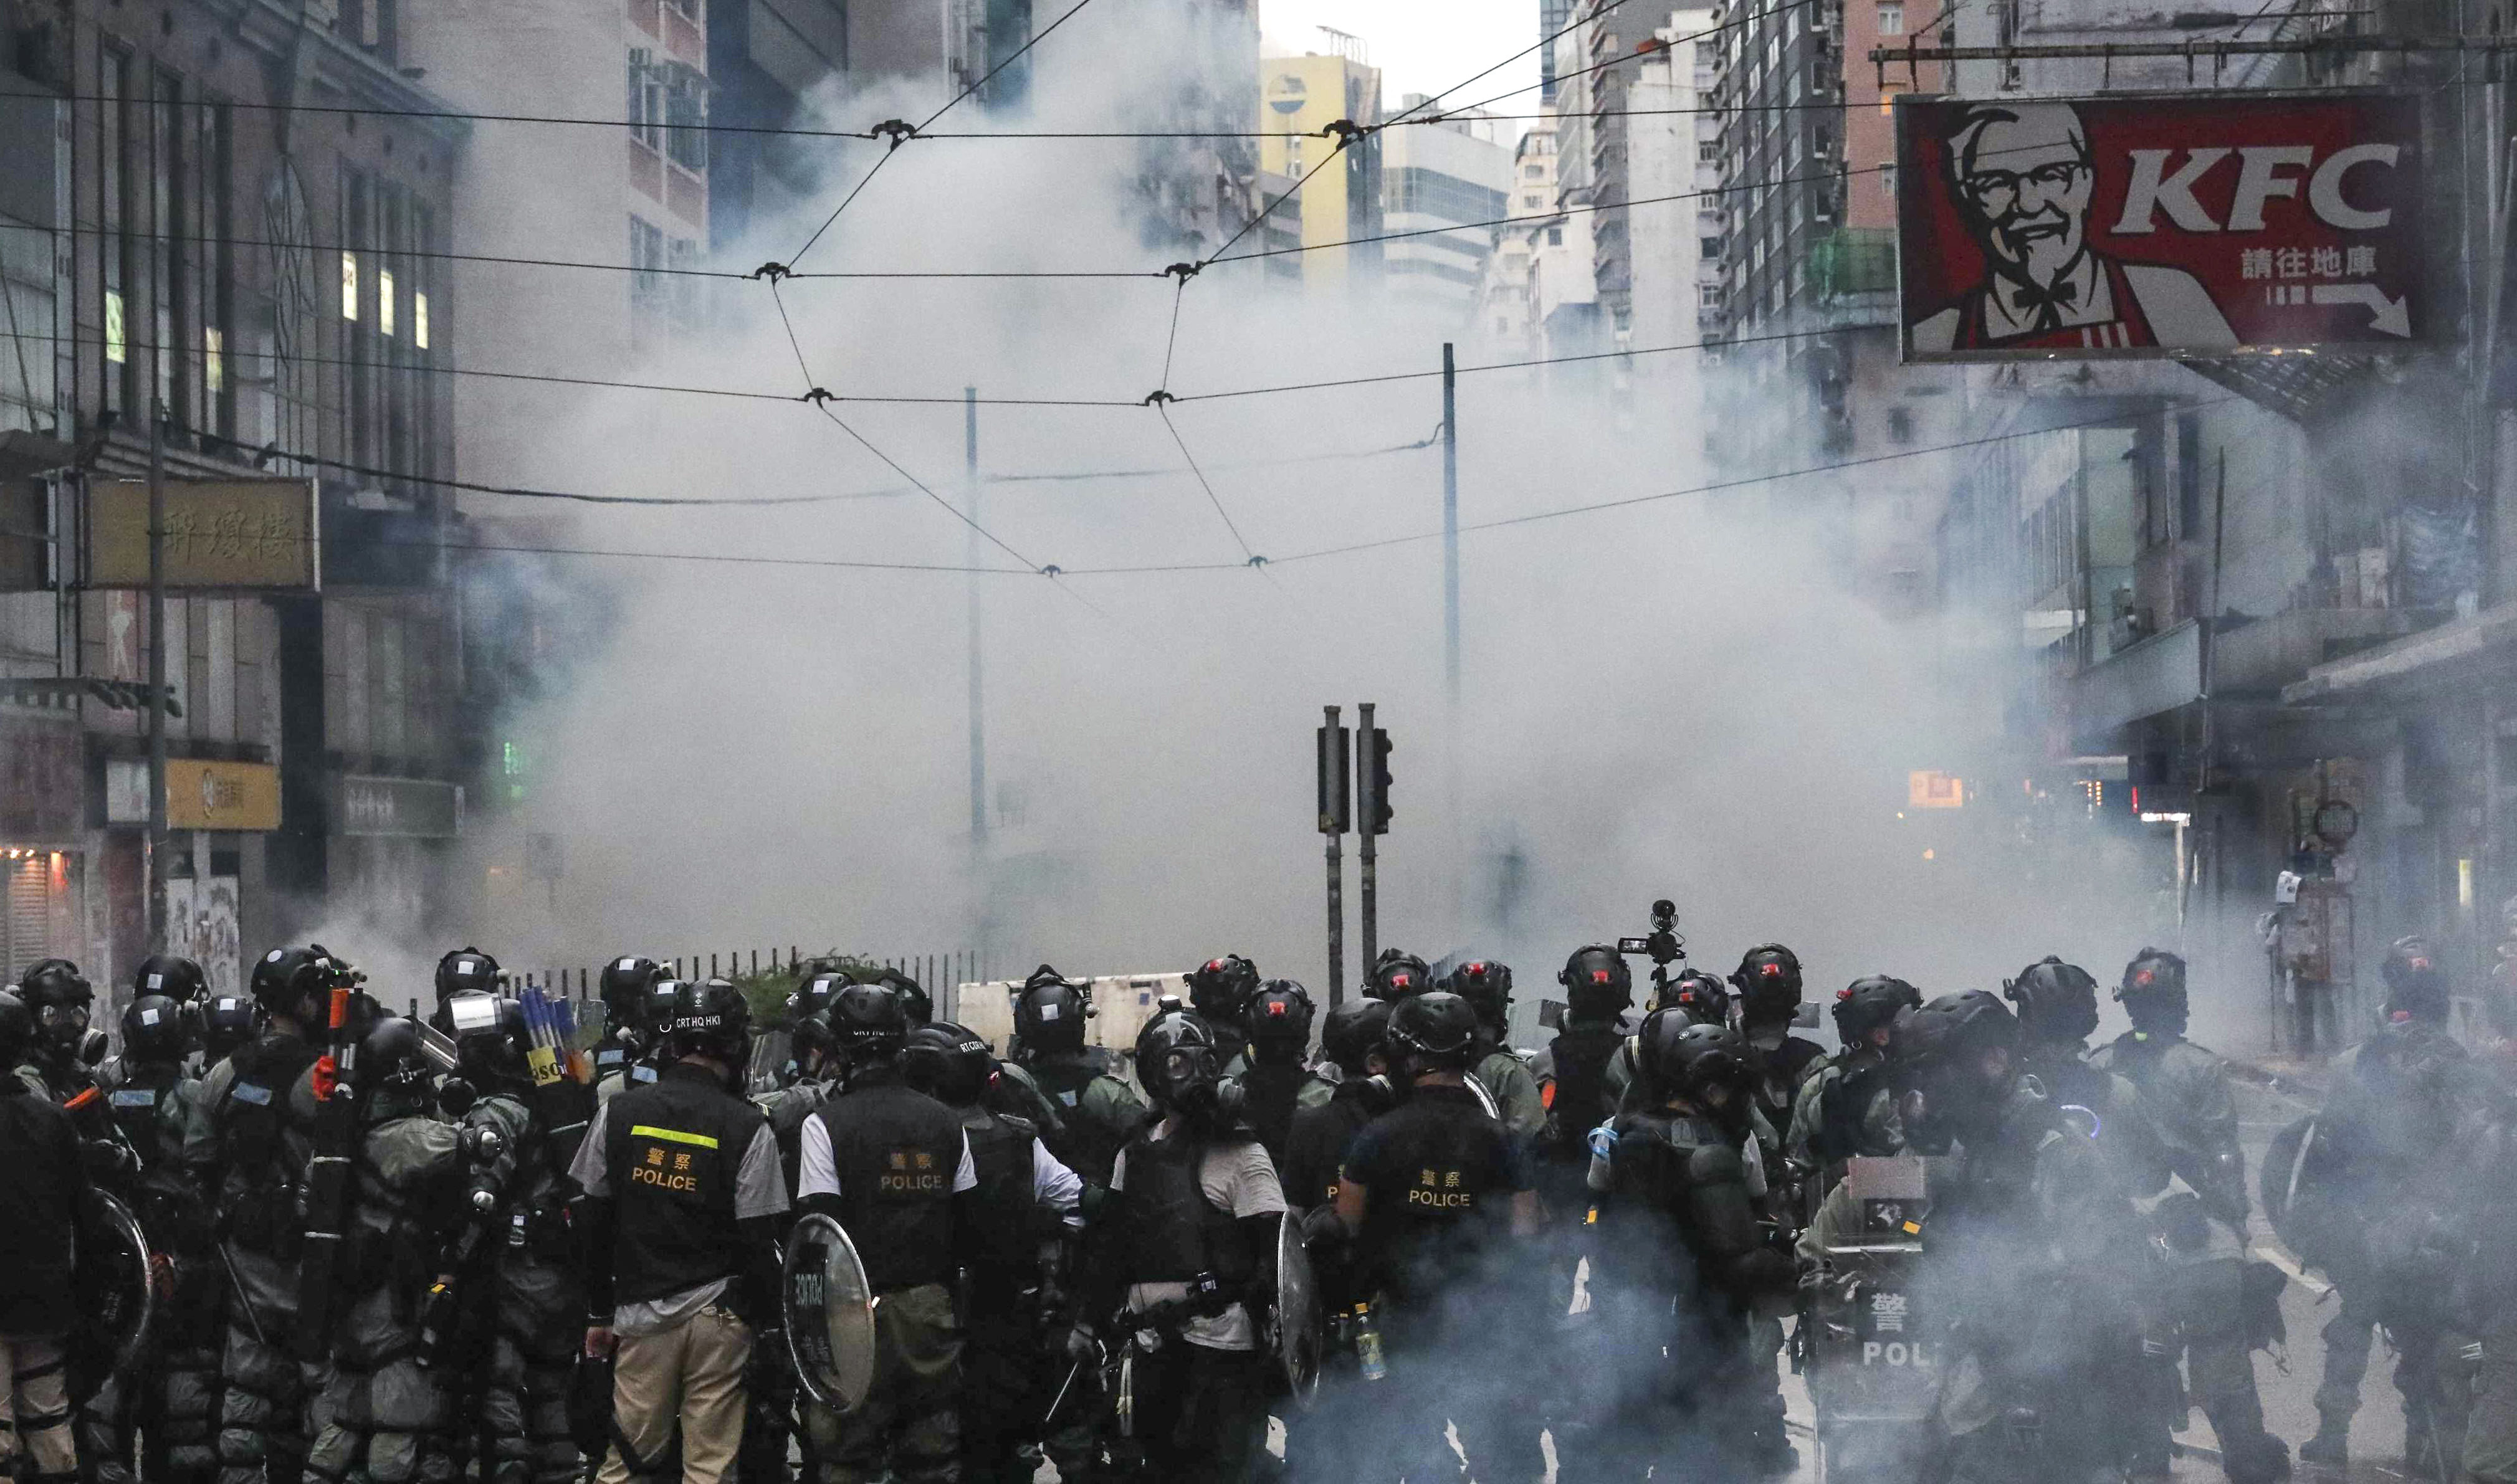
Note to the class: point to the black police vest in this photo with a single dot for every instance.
(1434, 1189)
(673, 1152)
(1274, 1088)
(1175, 1234)
(1580, 1100)
(1001, 1149)
(255, 1115)
(896, 1151)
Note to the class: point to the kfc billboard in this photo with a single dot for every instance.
(2141, 225)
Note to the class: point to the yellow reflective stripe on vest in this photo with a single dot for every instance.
(673, 1135)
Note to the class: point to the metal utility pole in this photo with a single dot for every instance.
(1368, 902)
(978, 722)
(1450, 531)
(157, 677)
(1336, 813)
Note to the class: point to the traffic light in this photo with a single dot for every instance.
(1336, 789)
(1374, 768)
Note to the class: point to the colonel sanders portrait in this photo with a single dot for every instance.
(2022, 178)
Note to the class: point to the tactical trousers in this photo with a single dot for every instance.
(381, 1418)
(1199, 1416)
(188, 1406)
(910, 1424)
(690, 1375)
(38, 1410)
(2491, 1431)
(2347, 1337)
(1008, 1370)
(262, 1401)
(536, 1330)
(2220, 1371)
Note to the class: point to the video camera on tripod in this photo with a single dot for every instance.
(1662, 946)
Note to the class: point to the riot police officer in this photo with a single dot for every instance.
(1768, 982)
(2374, 1189)
(1316, 1148)
(167, 1399)
(1221, 991)
(1187, 1260)
(1016, 1279)
(886, 1161)
(2221, 1301)
(1435, 1194)
(47, 1226)
(248, 1141)
(61, 999)
(468, 971)
(629, 1035)
(681, 1191)
(1843, 1108)
(1487, 988)
(1598, 988)
(388, 1411)
(1098, 1114)
(228, 1022)
(1674, 1175)
(1278, 1032)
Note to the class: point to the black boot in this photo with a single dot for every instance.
(2331, 1443)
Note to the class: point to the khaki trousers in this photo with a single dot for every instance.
(36, 1405)
(691, 1373)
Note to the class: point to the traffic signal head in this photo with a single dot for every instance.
(1376, 787)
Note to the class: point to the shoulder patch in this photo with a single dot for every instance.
(251, 1092)
(134, 1097)
(642, 1074)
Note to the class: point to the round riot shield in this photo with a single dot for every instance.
(829, 1314)
(1300, 1327)
(116, 1297)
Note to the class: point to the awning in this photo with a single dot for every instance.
(2160, 673)
(2450, 652)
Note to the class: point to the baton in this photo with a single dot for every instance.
(245, 1300)
(1064, 1388)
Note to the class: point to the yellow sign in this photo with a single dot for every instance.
(201, 794)
(220, 533)
(1934, 790)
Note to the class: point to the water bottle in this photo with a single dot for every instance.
(1367, 1344)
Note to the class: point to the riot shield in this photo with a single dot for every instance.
(829, 1314)
(115, 1295)
(1300, 1327)
(1873, 1353)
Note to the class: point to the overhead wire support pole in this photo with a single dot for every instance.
(158, 925)
(1451, 529)
(978, 711)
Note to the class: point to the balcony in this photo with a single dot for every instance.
(1854, 261)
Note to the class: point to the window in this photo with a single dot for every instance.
(121, 253)
(1708, 153)
(649, 307)
(646, 99)
(1710, 248)
(1554, 236)
(686, 117)
(1533, 172)
(1708, 296)
(1900, 425)
(1892, 18)
(349, 285)
(419, 319)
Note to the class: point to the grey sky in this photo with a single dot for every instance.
(1422, 46)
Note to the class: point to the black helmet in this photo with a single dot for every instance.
(1681, 1057)
(1868, 1003)
(1050, 1015)
(287, 977)
(622, 988)
(229, 1022)
(1597, 983)
(948, 1063)
(2153, 992)
(1181, 1062)
(168, 975)
(390, 1059)
(810, 1033)
(16, 1028)
(466, 971)
(1704, 998)
(155, 1029)
(711, 1018)
(658, 1005)
(1279, 1014)
(489, 1034)
(1952, 1028)
(2057, 1001)
(1221, 989)
(914, 1002)
(2415, 984)
(1769, 981)
(61, 998)
(1396, 976)
(814, 996)
(1487, 988)
(1437, 1028)
(1353, 1032)
(868, 1020)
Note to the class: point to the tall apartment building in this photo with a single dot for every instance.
(1455, 173)
(1303, 95)
(181, 238)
